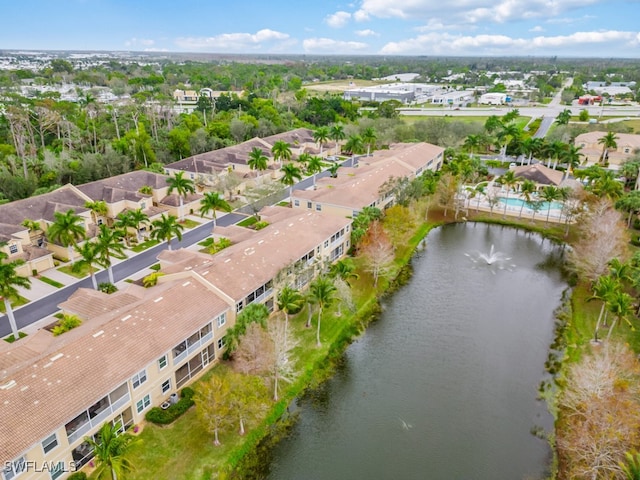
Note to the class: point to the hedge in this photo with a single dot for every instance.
(165, 416)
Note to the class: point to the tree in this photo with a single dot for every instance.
(281, 150)
(354, 145)
(508, 180)
(606, 185)
(108, 243)
(608, 141)
(123, 223)
(253, 356)
(336, 133)
(621, 305)
(213, 405)
(90, 257)
(165, 228)
(137, 218)
(290, 175)
(66, 229)
(290, 301)
(252, 313)
(378, 251)
(321, 135)
(110, 451)
(550, 194)
(343, 296)
(333, 170)
(344, 269)
(603, 289)
(257, 160)
(527, 189)
(631, 466)
(563, 117)
(314, 166)
(571, 156)
(182, 186)
(630, 203)
(369, 138)
(282, 368)
(322, 291)
(9, 280)
(247, 398)
(212, 201)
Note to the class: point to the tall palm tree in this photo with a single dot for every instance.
(550, 194)
(571, 157)
(66, 229)
(369, 138)
(472, 143)
(9, 280)
(354, 144)
(165, 228)
(563, 117)
(314, 166)
(527, 189)
(344, 269)
(182, 186)
(110, 452)
(108, 243)
(607, 185)
(212, 201)
(90, 256)
(321, 135)
(508, 180)
(607, 141)
(506, 135)
(322, 291)
(290, 174)
(281, 150)
(336, 133)
(603, 290)
(621, 305)
(257, 160)
(138, 218)
(290, 301)
(123, 223)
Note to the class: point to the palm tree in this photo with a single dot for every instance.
(631, 466)
(321, 135)
(281, 150)
(608, 141)
(621, 305)
(354, 145)
(257, 161)
(123, 223)
(9, 280)
(507, 134)
(314, 166)
(344, 269)
(369, 138)
(290, 174)
(182, 186)
(290, 301)
(607, 185)
(563, 117)
(165, 228)
(508, 179)
(212, 201)
(98, 209)
(571, 156)
(66, 229)
(90, 257)
(336, 133)
(472, 143)
(138, 217)
(603, 289)
(110, 451)
(333, 170)
(322, 291)
(527, 189)
(108, 243)
(550, 194)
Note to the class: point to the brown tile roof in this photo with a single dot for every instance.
(71, 375)
(116, 186)
(173, 200)
(539, 174)
(42, 206)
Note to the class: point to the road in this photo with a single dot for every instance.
(48, 305)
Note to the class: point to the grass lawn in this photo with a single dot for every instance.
(11, 338)
(50, 281)
(144, 245)
(155, 267)
(188, 223)
(78, 271)
(17, 302)
(247, 222)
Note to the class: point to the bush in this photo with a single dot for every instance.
(151, 280)
(164, 417)
(107, 287)
(635, 240)
(260, 225)
(66, 323)
(77, 476)
(636, 224)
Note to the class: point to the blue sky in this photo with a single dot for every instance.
(573, 28)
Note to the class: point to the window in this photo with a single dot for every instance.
(143, 205)
(139, 378)
(166, 386)
(57, 470)
(318, 207)
(222, 319)
(309, 204)
(221, 343)
(13, 248)
(143, 404)
(296, 203)
(14, 469)
(50, 443)
(162, 362)
(326, 244)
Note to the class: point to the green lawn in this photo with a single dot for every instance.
(17, 302)
(188, 223)
(50, 281)
(144, 245)
(77, 270)
(11, 338)
(247, 222)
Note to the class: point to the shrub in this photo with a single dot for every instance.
(66, 323)
(164, 417)
(107, 287)
(636, 224)
(260, 225)
(635, 240)
(77, 476)
(151, 280)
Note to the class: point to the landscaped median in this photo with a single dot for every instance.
(185, 448)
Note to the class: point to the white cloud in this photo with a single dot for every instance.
(472, 11)
(584, 43)
(328, 45)
(137, 42)
(338, 19)
(536, 29)
(236, 42)
(361, 16)
(366, 33)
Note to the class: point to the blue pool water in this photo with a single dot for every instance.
(516, 202)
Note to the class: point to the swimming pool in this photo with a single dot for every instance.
(517, 203)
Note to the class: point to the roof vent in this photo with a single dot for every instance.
(97, 334)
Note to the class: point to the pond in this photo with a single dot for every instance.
(444, 384)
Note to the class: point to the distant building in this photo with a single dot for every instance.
(403, 92)
(457, 97)
(627, 145)
(493, 98)
(589, 99)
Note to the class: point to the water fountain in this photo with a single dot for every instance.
(493, 258)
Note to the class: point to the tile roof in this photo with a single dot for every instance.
(125, 184)
(94, 360)
(539, 174)
(42, 207)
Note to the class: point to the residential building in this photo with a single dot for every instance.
(359, 187)
(134, 350)
(627, 145)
